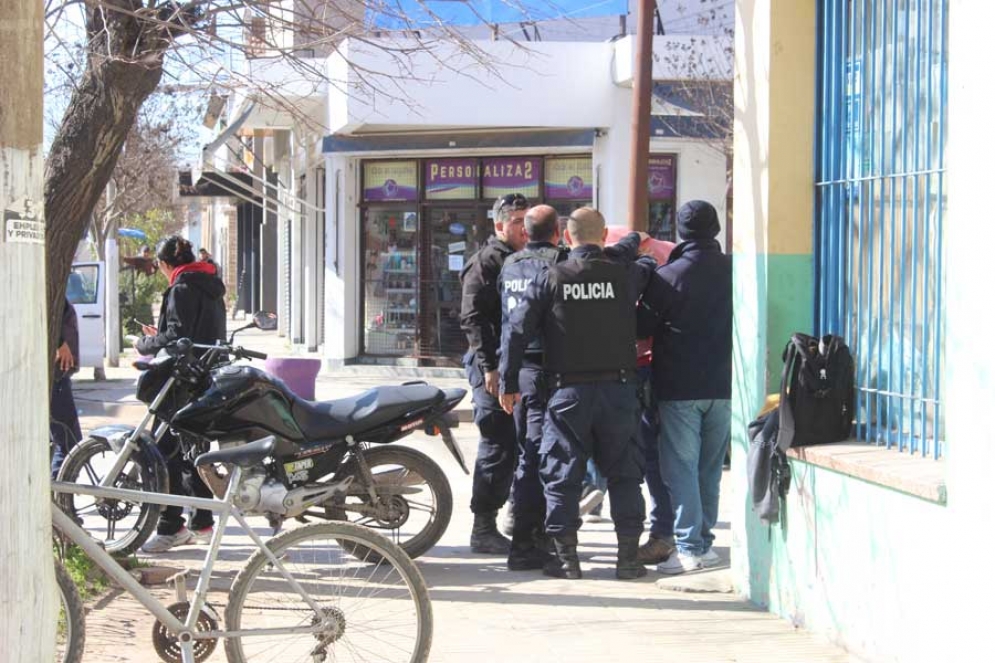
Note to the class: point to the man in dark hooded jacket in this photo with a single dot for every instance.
(692, 379)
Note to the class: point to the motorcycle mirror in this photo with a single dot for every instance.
(231, 339)
(265, 320)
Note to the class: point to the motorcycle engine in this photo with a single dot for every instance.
(261, 495)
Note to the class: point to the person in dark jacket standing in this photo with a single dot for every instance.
(193, 307)
(692, 378)
(64, 424)
(480, 318)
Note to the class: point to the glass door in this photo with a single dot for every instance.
(451, 236)
(390, 280)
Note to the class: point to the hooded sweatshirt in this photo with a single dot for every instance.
(192, 307)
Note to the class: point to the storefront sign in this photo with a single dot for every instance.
(451, 179)
(662, 176)
(390, 180)
(569, 177)
(511, 175)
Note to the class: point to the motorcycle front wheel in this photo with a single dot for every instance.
(121, 526)
(414, 500)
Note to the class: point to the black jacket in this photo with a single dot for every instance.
(533, 315)
(480, 312)
(69, 334)
(193, 307)
(692, 347)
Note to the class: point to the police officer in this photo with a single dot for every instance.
(584, 308)
(480, 318)
(529, 544)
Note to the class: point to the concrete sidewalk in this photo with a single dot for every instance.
(484, 613)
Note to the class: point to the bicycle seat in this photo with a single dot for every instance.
(365, 411)
(246, 455)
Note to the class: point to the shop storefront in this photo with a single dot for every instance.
(422, 219)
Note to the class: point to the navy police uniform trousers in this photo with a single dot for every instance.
(595, 419)
(497, 450)
(528, 501)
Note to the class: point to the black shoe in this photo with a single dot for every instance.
(628, 566)
(525, 554)
(485, 538)
(565, 563)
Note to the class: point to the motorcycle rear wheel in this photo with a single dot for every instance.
(85, 464)
(417, 524)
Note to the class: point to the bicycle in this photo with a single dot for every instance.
(303, 595)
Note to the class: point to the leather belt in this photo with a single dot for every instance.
(582, 377)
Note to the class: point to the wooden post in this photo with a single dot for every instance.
(642, 85)
(27, 579)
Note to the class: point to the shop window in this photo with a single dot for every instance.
(662, 194)
(568, 183)
(390, 277)
(390, 181)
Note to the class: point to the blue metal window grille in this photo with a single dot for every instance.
(880, 165)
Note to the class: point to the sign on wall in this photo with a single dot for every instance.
(569, 177)
(662, 176)
(506, 175)
(385, 181)
(450, 179)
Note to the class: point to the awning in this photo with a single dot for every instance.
(229, 131)
(459, 141)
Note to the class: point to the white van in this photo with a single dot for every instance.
(85, 290)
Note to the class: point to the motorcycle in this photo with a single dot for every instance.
(201, 395)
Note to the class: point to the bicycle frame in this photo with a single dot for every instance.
(131, 444)
(185, 632)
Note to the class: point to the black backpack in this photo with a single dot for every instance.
(817, 391)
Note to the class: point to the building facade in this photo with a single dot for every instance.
(859, 150)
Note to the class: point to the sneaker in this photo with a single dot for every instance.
(595, 518)
(590, 501)
(162, 542)
(679, 563)
(202, 536)
(710, 559)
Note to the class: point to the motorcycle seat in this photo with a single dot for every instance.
(362, 412)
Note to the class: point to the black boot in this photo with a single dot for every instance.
(485, 538)
(628, 566)
(565, 563)
(525, 554)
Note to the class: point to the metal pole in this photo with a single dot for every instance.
(641, 88)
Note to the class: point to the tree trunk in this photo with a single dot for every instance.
(27, 580)
(100, 114)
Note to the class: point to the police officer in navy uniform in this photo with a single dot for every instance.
(480, 318)
(585, 310)
(529, 545)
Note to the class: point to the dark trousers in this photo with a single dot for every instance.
(528, 501)
(661, 508)
(596, 420)
(63, 422)
(183, 480)
(497, 452)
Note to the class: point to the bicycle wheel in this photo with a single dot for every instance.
(417, 500)
(366, 612)
(122, 526)
(71, 629)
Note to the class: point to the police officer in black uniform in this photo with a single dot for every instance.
(585, 310)
(529, 545)
(480, 318)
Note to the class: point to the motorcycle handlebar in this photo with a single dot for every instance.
(251, 354)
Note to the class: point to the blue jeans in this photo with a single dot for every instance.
(693, 440)
(64, 422)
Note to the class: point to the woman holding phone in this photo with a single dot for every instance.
(193, 307)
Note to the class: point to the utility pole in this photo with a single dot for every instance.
(642, 85)
(27, 576)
